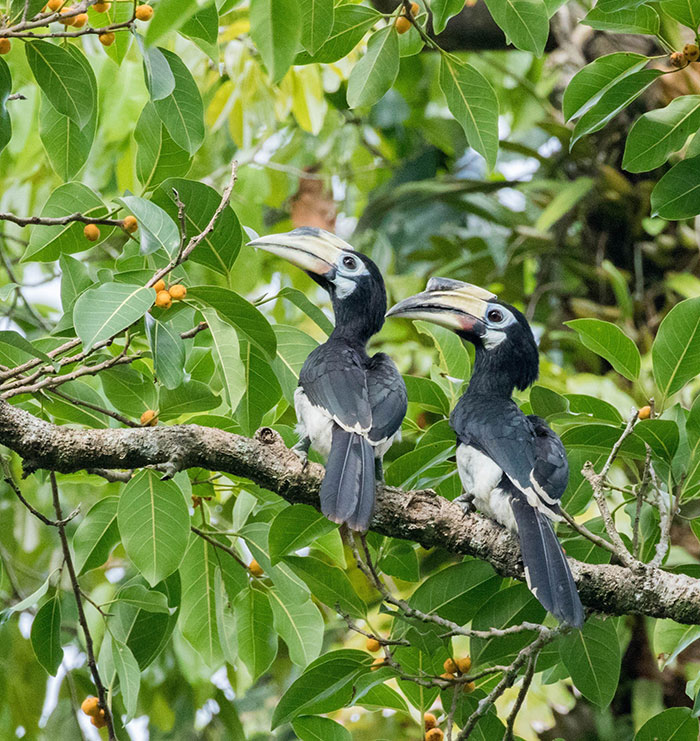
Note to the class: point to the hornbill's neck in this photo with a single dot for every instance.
(360, 314)
(498, 370)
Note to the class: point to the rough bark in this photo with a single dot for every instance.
(419, 516)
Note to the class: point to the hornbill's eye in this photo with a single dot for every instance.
(495, 315)
(349, 262)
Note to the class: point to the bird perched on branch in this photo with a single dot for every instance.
(513, 466)
(349, 405)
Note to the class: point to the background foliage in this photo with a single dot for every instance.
(560, 169)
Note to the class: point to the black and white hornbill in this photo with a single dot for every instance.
(513, 466)
(349, 405)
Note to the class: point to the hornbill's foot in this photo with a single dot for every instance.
(466, 502)
(301, 450)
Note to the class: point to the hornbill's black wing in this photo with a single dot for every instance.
(551, 469)
(387, 397)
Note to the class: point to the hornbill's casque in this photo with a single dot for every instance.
(349, 405)
(512, 466)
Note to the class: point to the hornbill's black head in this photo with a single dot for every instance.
(355, 285)
(506, 352)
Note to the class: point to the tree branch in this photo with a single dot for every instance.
(418, 516)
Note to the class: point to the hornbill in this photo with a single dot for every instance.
(349, 405)
(513, 467)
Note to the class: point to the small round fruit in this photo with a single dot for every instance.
(91, 706)
(434, 734)
(107, 39)
(163, 300)
(91, 232)
(430, 721)
(67, 21)
(99, 720)
(415, 8)
(402, 24)
(130, 223)
(102, 7)
(80, 20)
(372, 645)
(54, 5)
(178, 292)
(691, 52)
(5, 46)
(255, 568)
(469, 687)
(464, 665)
(143, 13)
(447, 675)
(149, 418)
(677, 59)
(449, 666)
(377, 664)
(644, 412)
(159, 286)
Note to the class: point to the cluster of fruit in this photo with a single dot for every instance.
(166, 296)
(91, 707)
(690, 53)
(403, 22)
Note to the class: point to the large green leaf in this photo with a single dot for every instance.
(129, 391)
(220, 248)
(158, 75)
(105, 311)
(588, 84)
(659, 133)
(661, 435)
(5, 91)
(427, 394)
(611, 343)
(74, 280)
(375, 73)
(454, 359)
(675, 353)
(129, 675)
(524, 22)
(171, 15)
(226, 349)
(598, 439)
(96, 535)
(642, 19)
(677, 194)
(150, 600)
(275, 27)
(67, 145)
(686, 12)
(255, 633)
(262, 388)
(46, 635)
(168, 351)
(674, 724)
(300, 625)
(442, 11)
(293, 347)
(154, 524)
(46, 243)
(318, 728)
(592, 657)
(473, 102)
(187, 398)
(182, 111)
(157, 231)
(316, 23)
(63, 80)
(294, 528)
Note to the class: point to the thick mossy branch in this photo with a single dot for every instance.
(418, 516)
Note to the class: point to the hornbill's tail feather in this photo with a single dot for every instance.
(348, 489)
(547, 572)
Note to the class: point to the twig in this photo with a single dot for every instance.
(527, 681)
(89, 405)
(450, 722)
(101, 692)
(111, 476)
(583, 530)
(641, 491)
(58, 220)
(212, 541)
(194, 331)
(181, 220)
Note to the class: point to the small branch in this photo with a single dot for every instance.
(212, 541)
(527, 681)
(101, 692)
(181, 221)
(583, 530)
(111, 476)
(194, 331)
(641, 492)
(58, 220)
(89, 405)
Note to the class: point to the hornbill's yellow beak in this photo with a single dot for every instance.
(450, 303)
(314, 250)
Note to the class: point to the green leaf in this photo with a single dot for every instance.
(301, 301)
(29, 601)
(187, 398)
(293, 347)
(675, 353)
(160, 79)
(17, 341)
(168, 350)
(296, 527)
(239, 313)
(589, 84)
(5, 91)
(182, 111)
(598, 439)
(220, 247)
(316, 23)
(262, 389)
(203, 25)
(171, 15)
(154, 523)
(657, 134)
(96, 535)
(661, 435)
(256, 638)
(63, 80)
(105, 311)
(316, 728)
(157, 231)
(686, 12)
(674, 724)
(454, 359)
(567, 196)
(46, 243)
(74, 280)
(671, 639)
(226, 349)
(350, 23)
(129, 675)
(592, 658)
(642, 19)
(375, 73)
(328, 584)
(427, 394)
(398, 558)
(613, 101)
(116, 13)
(325, 685)
(129, 391)
(677, 194)
(473, 102)
(300, 625)
(149, 600)
(157, 157)
(46, 635)
(610, 342)
(275, 27)
(524, 22)
(17, 8)
(442, 11)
